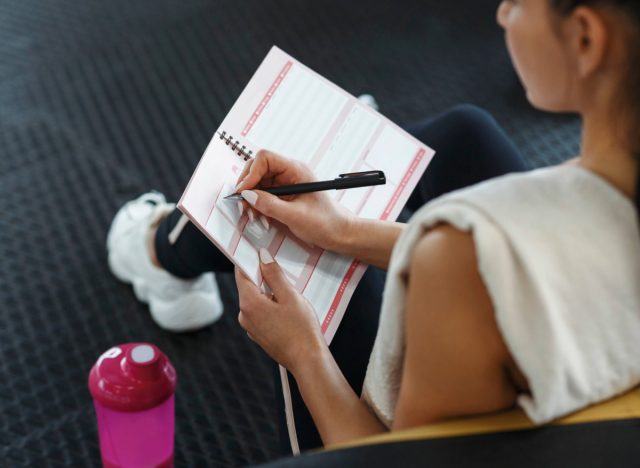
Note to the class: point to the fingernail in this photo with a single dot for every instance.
(252, 218)
(265, 256)
(264, 221)
(240, 207)
(251, 197)
(238, 186)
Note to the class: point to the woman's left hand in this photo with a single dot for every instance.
(283, 323)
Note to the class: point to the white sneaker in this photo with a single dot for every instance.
(176, 305)
(369, 100)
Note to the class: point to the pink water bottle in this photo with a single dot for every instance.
(133, 393)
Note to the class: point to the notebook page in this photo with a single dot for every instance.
(289, 109)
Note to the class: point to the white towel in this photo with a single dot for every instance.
(559, 252)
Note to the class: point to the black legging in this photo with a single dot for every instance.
(470, 148)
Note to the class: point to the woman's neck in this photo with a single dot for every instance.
(603, 152)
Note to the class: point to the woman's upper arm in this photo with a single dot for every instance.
(456, 362)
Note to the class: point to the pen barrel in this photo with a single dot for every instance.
(355, 182)
(336, 184)
(301, 188)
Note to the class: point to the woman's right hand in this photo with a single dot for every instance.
(313, 217)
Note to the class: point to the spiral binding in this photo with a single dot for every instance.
(235, 146)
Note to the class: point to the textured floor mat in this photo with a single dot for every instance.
(61, 309)
(100, 101)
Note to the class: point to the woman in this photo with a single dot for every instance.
(520, 290)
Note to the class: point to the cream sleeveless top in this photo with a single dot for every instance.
(559, 252)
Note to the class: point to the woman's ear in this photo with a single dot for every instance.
(588, 35)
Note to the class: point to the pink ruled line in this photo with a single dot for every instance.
(339, 294)
(267, 98)
(402, 185)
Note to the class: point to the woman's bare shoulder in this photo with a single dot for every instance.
(456, 362)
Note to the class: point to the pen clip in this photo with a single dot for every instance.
(378, 174)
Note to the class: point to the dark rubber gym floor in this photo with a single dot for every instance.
(103, 100)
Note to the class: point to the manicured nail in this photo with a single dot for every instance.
(251, 197)
(264, 221)
(240, 207)
(252, 217)
(265, 256)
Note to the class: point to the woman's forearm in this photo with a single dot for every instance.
(337, 411)
(369, 240)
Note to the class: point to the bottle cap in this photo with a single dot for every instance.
(132, 377)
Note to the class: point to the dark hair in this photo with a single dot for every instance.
(631, 90)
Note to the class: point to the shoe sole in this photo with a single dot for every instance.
(139, 286)
(161, 315)
(191, 320)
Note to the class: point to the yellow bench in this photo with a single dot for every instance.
(626, 406)
(605, 435)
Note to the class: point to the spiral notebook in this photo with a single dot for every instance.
(290, 109)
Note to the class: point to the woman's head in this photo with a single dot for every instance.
(572, 55)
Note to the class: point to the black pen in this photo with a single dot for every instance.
(343, 181)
